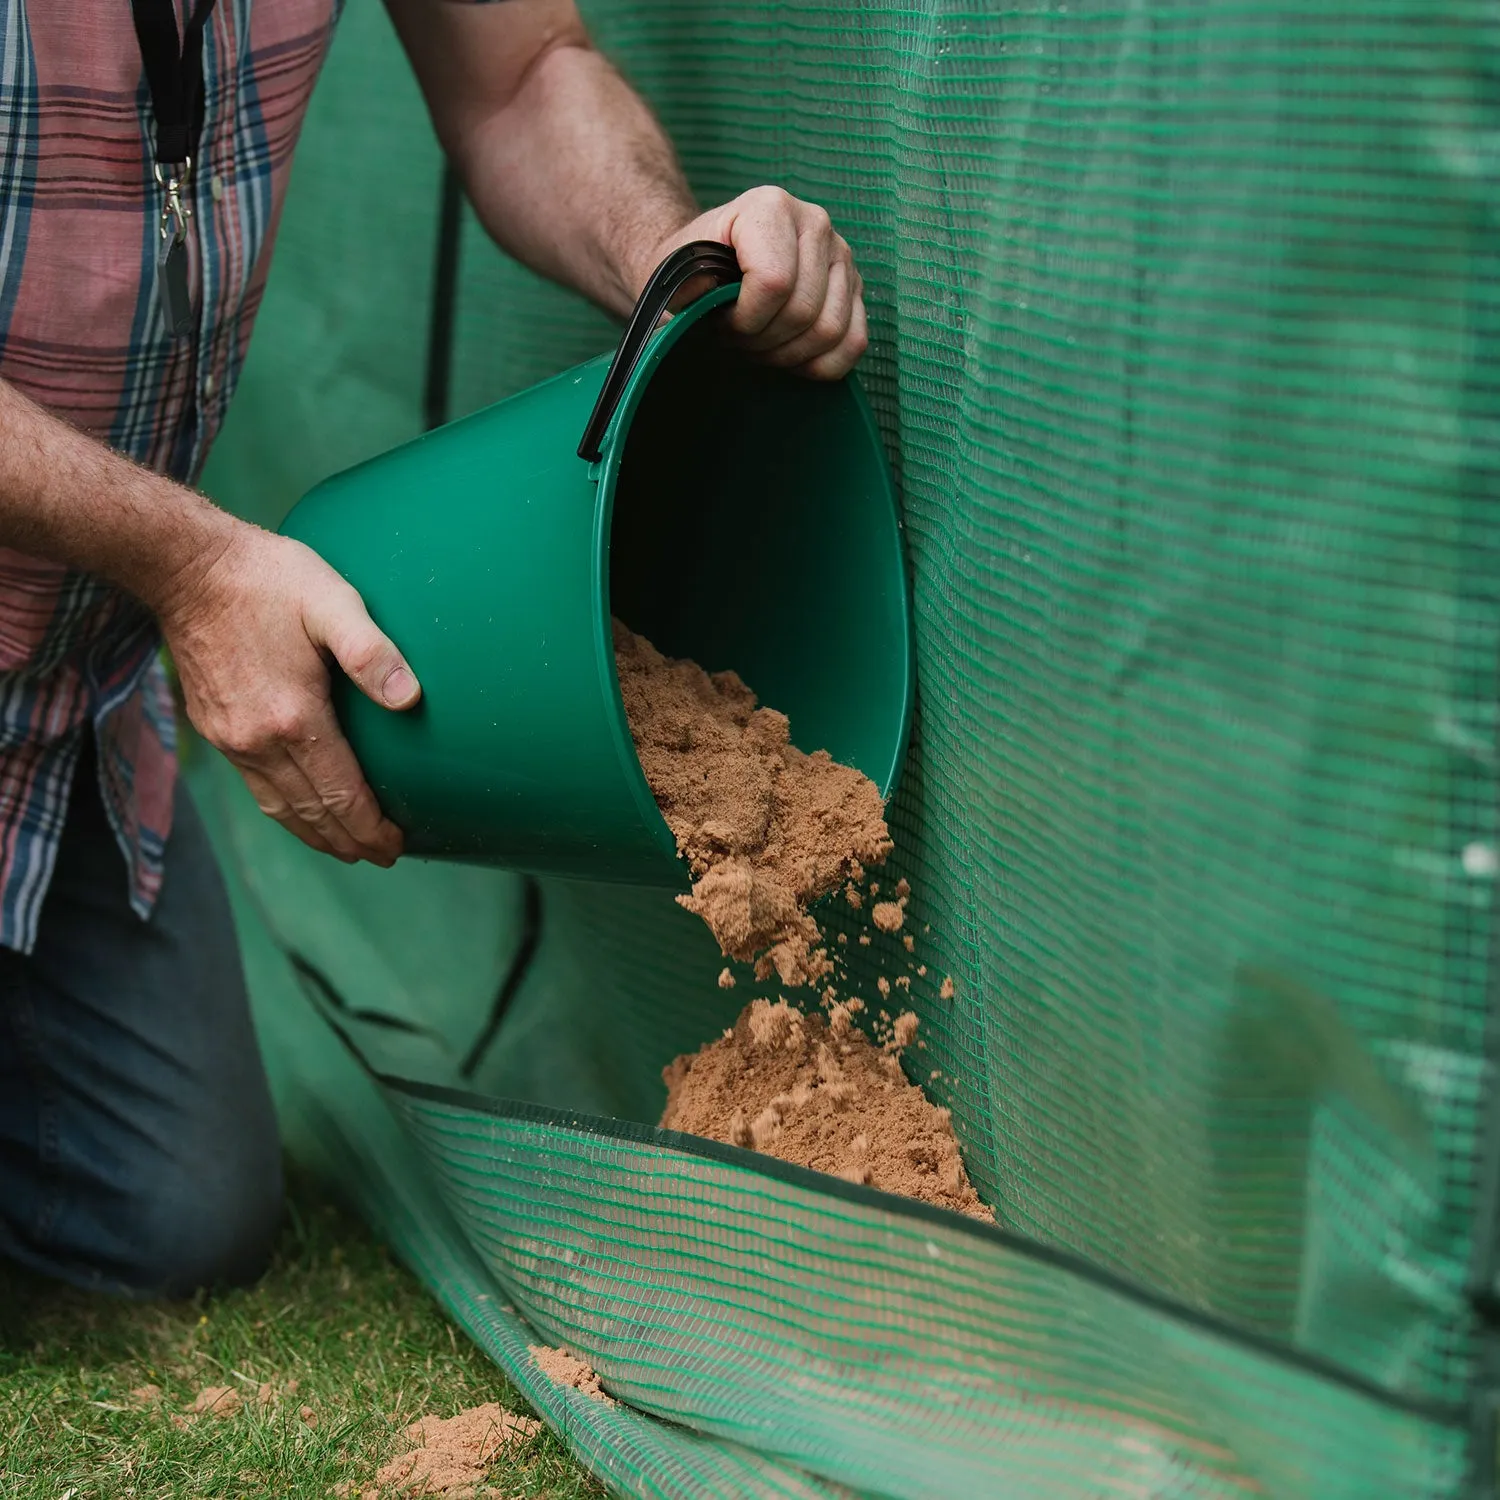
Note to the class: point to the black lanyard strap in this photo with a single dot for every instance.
(174, 74)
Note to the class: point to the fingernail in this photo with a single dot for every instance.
(400, 687)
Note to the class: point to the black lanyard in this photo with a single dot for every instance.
(174, 74)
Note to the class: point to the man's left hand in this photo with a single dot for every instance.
(801, 306)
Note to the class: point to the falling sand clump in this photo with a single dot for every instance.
(890, 916)
(819, 1093)
(451, 1455)
(765, 829)
(562, 1368)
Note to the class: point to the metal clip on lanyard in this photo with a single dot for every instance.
(171, 254)
(174, 74)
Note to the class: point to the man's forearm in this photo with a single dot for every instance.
(571, 173)
(576, 178)
(66, 497)
(565, 165)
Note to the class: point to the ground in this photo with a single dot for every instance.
(368, 1349)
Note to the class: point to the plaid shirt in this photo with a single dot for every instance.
(81, 332)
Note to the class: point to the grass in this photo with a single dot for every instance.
(369, 1350)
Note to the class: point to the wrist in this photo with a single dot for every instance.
(651, 255)
(180, 550)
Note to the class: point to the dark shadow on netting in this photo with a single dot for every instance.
(531, 937)
(314, 976)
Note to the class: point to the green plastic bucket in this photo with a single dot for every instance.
(734, 514)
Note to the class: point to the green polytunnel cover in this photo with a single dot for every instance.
(1183, 350)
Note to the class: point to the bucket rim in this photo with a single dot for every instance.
(605, 472)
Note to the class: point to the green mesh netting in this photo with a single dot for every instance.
(1183, 350)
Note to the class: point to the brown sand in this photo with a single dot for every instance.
(451, 1455)
(765, 829)
(219, 1400)
(271, 1392)
(889, 916)
(563, 1368)
(821, 1094)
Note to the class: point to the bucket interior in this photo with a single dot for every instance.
(754, 528)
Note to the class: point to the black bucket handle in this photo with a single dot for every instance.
(701, 257)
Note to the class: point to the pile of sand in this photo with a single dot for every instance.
(451, 1455)
(562, 1368)
(765, 829)
(821, 1094)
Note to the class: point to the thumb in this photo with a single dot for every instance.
(364, 651)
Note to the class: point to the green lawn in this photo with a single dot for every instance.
(368, 1349)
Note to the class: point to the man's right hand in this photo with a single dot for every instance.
(251, 634)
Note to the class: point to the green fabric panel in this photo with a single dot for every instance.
(1182, 321)
(422, 948)
(882, 1347)
(768, 1337)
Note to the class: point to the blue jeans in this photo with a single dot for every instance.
(138, 1147)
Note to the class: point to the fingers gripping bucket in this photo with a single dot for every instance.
(731, 513)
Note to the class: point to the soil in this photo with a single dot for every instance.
(890, 916)
(451, 1455)
(218, 1400)
(766, 830)
(821, 1094)
(563, 1368)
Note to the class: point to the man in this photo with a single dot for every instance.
(138, 1151)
